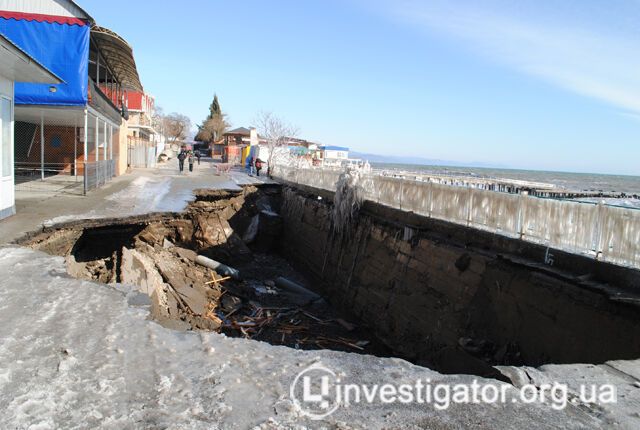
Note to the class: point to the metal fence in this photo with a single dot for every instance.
(98, 173)
(62, 150)
(604, 232)
(141, 152)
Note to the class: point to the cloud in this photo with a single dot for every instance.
(571, 53)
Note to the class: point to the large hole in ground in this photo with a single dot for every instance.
(382, 288)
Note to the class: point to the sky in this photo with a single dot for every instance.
(544, 85)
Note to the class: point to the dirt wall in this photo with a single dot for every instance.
(454, 298)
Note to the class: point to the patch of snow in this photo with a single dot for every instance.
(75, 354)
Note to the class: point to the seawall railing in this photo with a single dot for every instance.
(604, 232)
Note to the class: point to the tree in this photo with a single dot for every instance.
(176, 127)
(215, 125)
(157, 119)
(214, 109)
(276, 132)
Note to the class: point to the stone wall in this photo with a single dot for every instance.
(456, 298)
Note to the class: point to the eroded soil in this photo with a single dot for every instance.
(157, 254)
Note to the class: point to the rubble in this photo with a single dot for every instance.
(184, 265)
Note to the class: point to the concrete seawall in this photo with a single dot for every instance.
(426, 286)
(602, 232)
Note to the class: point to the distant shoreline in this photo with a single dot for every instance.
(575, 181)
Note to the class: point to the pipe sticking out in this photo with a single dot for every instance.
(294, 288)
(220, 268)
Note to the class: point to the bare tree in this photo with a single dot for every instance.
(276, 132)
(157, 121)
(176, 127)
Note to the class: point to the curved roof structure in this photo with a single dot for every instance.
(119, 55)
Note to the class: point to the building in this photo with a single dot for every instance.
(234, 142)
(71, 136)
(334, 152)
(143, 141)
(15, 65)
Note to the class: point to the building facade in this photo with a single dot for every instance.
(15, 65)
(144, 142)
(68, 136)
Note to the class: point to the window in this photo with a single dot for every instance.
(5, 139)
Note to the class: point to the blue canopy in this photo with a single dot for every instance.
(61, 48)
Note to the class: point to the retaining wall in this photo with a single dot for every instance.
(603, 232)
(424, 285)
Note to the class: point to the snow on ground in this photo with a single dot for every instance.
(161, 190)
(76, 354)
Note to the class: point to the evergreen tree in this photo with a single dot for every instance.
(214, 109)
(215, 125)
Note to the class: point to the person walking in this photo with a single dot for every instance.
(181, 157)
(191, 159)
(198, 155)
(249, 166)
(258, 165)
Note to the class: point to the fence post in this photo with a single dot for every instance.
(105, 141)
(430, 211)
(84, 177)
(599, 229)
(110, 142)
(75, 149)
(469, 206)
(85, 150)
(520, 215)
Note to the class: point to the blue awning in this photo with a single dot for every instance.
(60, 47)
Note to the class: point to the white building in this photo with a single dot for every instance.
(334, 152)
(15, 65)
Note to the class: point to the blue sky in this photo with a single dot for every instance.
(525, 84)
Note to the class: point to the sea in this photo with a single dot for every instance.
(629, 185)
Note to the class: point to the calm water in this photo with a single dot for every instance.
(574, 181)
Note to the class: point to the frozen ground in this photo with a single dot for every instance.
(143, 191)
(80, 355)
(164, 189)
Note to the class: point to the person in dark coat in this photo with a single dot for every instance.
(259, 163)
(181, 157)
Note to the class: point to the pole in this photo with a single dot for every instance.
(42, 144)
(97, 149)
(105, 141)
(98, 69)
(85, 149)
(111, 166)
(75, 149)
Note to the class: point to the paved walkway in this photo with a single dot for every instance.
(161, 189)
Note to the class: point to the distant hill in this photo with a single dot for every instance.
(420, 161)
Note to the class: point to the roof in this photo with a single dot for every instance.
(119, 56)
(19, 66)
(240, 130)
(334, 148)
(46, 10)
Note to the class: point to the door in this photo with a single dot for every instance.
(7, 193)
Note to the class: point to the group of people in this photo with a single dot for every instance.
(254, 165)
(190, 156)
